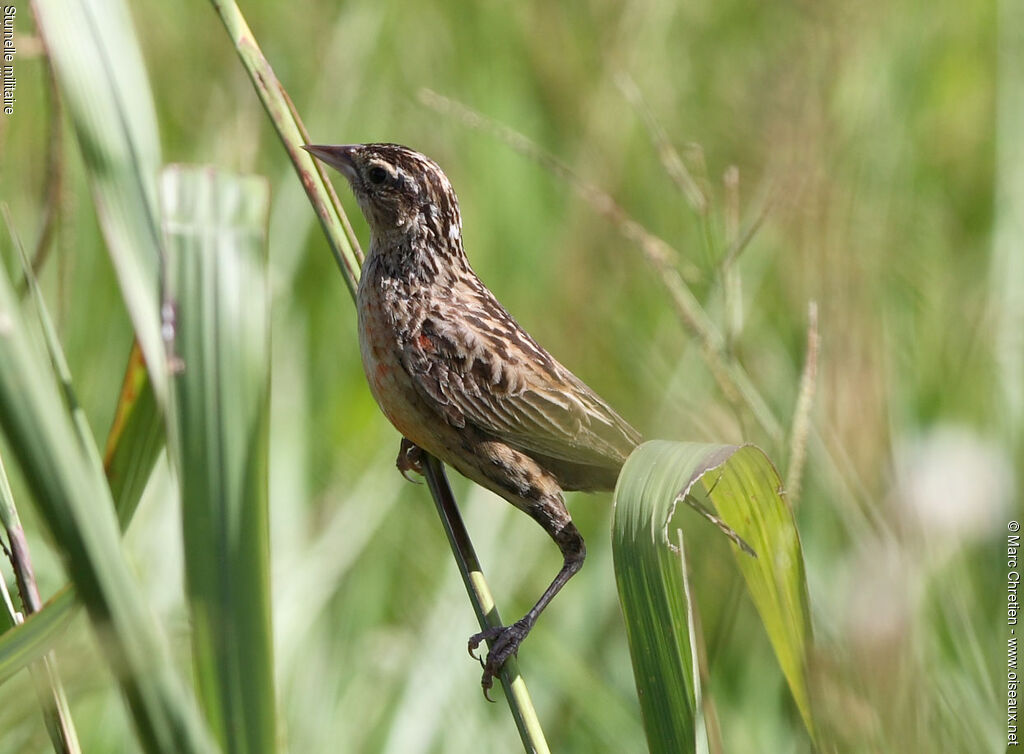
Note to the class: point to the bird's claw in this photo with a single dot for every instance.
(504, 642)
(410, 458)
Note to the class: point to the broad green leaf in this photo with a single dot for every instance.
(744, 489)
(103, 84)
(217, 286)
(654, 595)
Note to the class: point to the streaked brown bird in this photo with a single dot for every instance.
(458, 376)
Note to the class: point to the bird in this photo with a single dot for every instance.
(459, 378)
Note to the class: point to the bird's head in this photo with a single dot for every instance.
(399, 190)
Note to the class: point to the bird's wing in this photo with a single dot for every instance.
(477, 366)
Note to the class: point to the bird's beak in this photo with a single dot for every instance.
(340, 157)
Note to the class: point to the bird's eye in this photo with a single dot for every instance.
(377, 175)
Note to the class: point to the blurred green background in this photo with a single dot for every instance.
(879, 136)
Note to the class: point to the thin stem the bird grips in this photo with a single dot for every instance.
(512, 682)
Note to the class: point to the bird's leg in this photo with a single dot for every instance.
(505, 640)
(410, 458)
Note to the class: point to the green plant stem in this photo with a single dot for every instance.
(516, 694)
(293, 135)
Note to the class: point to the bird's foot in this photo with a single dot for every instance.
(505, 641)
(410, 458)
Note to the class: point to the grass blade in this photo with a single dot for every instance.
(75, 504)
(292, 132)
(27, 642)
(102, 80)
(744, 489)
(655, 602)
(45, 676)
(54, 350)
(133, 446)
(217, 285)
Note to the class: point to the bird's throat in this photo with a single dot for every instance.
(418, 259)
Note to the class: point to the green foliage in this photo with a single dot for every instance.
(657, 604)
(103, 82)
(66, 481)
(745, 490)
(24, 644)
(217, 283)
